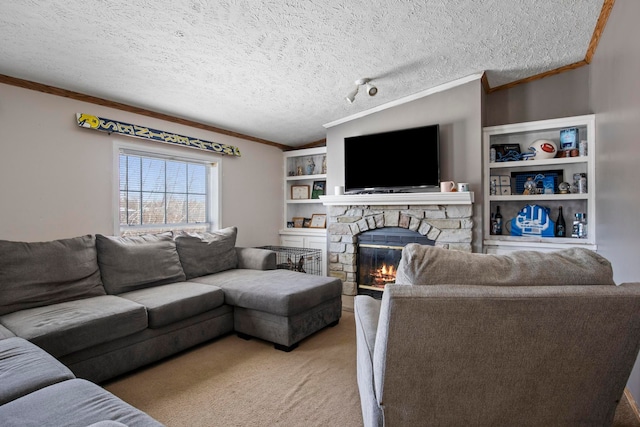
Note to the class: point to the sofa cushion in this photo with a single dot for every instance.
(135, 262)
(67, 327)
(25, 367)
(281, 292)
(431, 265)
(43, 273)
(5, 333)
(167, 304)
(207, 253)
(72, 403)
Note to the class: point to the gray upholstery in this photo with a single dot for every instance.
(280, 306)
(43, 273)
(366, 317)
(71, 403)
(5, 333)
(167, 304)
(458, 353)
(281, 292)
(107, 423)
(432, 265)
(25, 367)
(110, 359)
(286, 330)
(256, 259)
(71, 326)
(135, 262)
(207, 253)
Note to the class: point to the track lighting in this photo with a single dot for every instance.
(370, 89)
(352, 95)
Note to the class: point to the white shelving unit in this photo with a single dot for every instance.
(510, 204)
(296, 173)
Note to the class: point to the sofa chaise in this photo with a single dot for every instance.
(526, 339)
(105, 305)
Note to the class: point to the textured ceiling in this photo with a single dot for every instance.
(280, 69)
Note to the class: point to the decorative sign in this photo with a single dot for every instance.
(112, 126)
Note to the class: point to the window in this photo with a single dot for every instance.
(161, 193)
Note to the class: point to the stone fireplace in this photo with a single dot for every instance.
(443, 218)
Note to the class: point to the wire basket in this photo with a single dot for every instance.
(304, 260)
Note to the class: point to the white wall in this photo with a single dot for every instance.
(458, 111)
(56, 178)
(561, 95)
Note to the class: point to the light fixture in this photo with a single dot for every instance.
(352, 95)
(370, 89)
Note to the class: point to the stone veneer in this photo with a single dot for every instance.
(449, 226)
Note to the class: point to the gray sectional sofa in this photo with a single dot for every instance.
(37, 390)
(105, 305)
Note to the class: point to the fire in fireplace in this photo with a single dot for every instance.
(377, 265)
(383, 275)
(378, 256)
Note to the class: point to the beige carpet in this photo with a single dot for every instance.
(233, 382)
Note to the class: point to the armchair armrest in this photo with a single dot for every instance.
(367, 313)
(256, 259)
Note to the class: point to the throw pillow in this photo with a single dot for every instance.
(43, 273)
(430, 265)
(135, 262)
(207, 253)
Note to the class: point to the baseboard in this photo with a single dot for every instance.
(347, 302)
(632, 403)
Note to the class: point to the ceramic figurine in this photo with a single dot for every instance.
(310, 166)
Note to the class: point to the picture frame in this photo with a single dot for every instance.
(298, 221)
(318, 221)
(306, 223)
(300, 192)
(318, 189)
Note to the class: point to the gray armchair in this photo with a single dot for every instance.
(522, 339)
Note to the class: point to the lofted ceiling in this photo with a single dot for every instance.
(278, 70)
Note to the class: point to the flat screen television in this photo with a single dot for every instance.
(395, 161)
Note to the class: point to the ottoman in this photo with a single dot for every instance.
(280, 306)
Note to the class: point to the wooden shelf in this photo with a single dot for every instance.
(537, 163)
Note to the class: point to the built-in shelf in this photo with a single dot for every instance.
(321, 232)
(307, 177)
(536, 163)
(298, 171)
(565, 168)
(534, 198)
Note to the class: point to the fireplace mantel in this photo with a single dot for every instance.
(390, 199)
